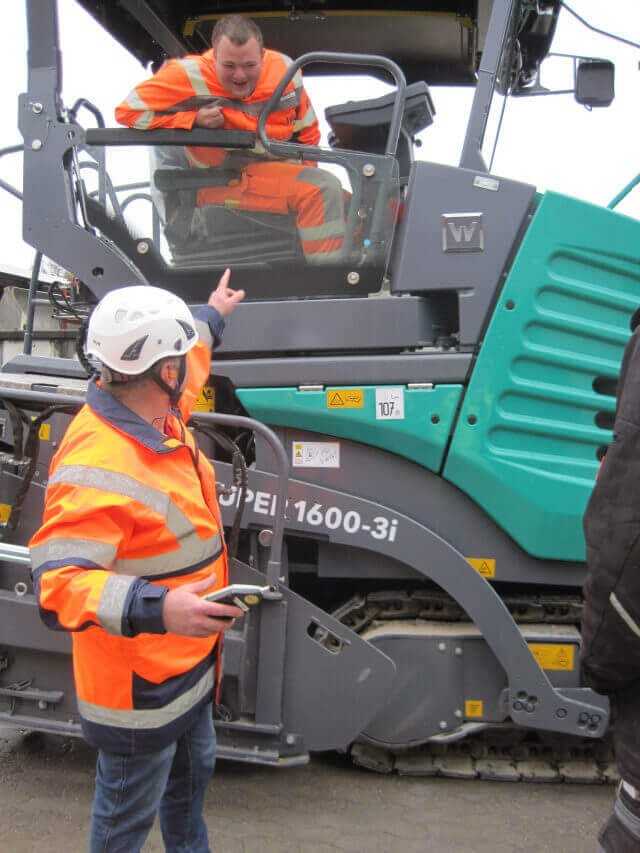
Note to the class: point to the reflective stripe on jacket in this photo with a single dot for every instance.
(173, 96)
(131, 513)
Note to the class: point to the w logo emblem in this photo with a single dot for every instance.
(462, 232)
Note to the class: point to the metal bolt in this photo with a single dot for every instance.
(353, 277)
(443, 724)
(265, 537)
(583, 718)
(368, 170)
(36, 145)
(518, 706)
(42, 705)
(458, 650)
(442, 647)
(37, 108)
(20, 588)
(291, 739)
(142, 247)
(458, 713)
(530, 707)
(561, 713)
(595, 719)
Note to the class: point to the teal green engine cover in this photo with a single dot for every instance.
(541, 399)
(421, 434)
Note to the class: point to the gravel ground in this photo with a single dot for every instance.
(46, 786)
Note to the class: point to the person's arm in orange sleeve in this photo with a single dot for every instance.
(306, 130)
(72, 555)
(156, 102)
(210, 321)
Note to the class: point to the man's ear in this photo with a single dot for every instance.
(169, 371)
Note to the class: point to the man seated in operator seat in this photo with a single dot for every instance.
(227, 87)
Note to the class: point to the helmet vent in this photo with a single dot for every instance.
(135, 315)
(120, 315)
(132, 352)
(189, 331)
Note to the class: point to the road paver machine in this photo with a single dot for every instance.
(405, 437)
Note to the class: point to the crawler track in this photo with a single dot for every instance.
(502, 753)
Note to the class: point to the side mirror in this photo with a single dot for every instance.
(594, 82)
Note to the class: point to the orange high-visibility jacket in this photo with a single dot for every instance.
(172, 97)
(131, 513)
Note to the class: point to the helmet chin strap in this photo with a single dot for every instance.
(174, 393)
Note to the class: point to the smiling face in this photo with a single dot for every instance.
(238, 66)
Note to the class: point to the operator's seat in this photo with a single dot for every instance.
(215, 234)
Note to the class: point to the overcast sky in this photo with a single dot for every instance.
(551, 142)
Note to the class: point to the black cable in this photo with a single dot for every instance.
(240, 479)
(90, 370)
(31, 453)
(596, 30)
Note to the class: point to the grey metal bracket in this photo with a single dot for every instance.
(532, 701)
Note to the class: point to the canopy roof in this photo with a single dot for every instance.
(439, 41)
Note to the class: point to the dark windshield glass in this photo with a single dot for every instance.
(321, 228)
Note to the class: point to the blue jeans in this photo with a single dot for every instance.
(131, 789)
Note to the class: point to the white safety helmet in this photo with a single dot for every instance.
(132, 328)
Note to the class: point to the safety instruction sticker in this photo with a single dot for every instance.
(389, 404)
(206, 401)
(315, 454)
(5, 513)
(554, 657)
(345, 398)
(473, 708)
(485, 566)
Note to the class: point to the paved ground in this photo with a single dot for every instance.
(328, 806)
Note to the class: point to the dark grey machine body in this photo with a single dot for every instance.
(299, 676)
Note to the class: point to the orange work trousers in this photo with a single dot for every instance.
(315, 195)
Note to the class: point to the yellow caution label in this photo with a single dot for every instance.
(5, 513)
(485, 566)
(474, 708)
(45, 432)
(554, 656)
(345, 398)
(206, 401)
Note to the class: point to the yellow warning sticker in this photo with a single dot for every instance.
(554, 656)
(45, 432)
(345, 398)
(206, 401)
(485, 566)
(5, 513)
(474, 708)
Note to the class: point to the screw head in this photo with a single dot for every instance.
(142, 247)
(458, 713)
(353, 277)
(265, 537)
(291, 739)
(458, 650)
(36, 108)
(42, 705)
(518, 706)
(442, 647)
(443, 725)
(36, 145)
(561, 713)
(368, 170)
